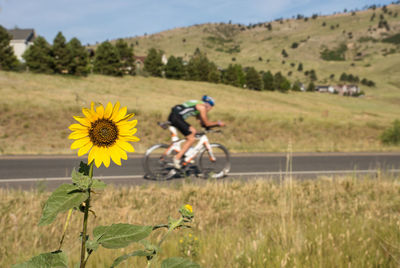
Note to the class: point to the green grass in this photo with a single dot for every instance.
(330, 222)
(35, 116)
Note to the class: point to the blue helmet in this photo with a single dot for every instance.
(208, 99)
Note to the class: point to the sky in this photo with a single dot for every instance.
(94, 21)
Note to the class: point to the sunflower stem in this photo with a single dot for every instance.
(85, 221)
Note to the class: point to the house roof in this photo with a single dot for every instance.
(140, 58)
(22, 34)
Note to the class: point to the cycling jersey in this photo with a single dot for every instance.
(188, 108)
(180, 112)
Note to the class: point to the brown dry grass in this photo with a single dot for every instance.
(330, 222)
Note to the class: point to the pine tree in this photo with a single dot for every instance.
(38, 57)
(311, 87)
(253, 79)
(126, 56)
(107, 60)
(230, 76)
(79, 58)
(198, 67)
(60, 54)
(281, 83)
(300, 68)
(153, 64)
(174, 68)
(268, 80)
(214, 75)
(8, 61)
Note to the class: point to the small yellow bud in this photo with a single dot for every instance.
(189, 207)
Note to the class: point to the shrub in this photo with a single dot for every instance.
(392, 134)
(335, 54)
(394, 39)
(295, 45)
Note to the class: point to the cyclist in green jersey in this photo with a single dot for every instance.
(181, 112)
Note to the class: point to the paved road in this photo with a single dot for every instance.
(35, 171)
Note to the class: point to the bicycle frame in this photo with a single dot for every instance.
(192, 152)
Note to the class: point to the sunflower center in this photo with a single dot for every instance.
(103, 133)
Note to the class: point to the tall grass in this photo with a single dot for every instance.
(34, 116)
(330, 222)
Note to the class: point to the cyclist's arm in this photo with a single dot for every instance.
(203, 117)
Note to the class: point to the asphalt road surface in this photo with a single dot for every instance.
(27, 172)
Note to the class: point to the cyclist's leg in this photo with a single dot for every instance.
(190, 139)
(187, 130)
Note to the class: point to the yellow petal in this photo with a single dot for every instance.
(88, 114)
(125, 146)
(115, 110)
(98, 157)
(92, 154)
(83, 121)
(121, 114)
(108, 111)
(127, 132)
(115, 155)
(127, 124)
(100, 111)
(129, 138)
(74, 127)
(84, 149)
(125, 118)
(106, 157)
(120, 152)
(78, 134)
(80, 143)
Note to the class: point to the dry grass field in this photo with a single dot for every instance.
(36, 110)
(330, 222)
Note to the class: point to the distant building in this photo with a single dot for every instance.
(327, 89)
(343, 90)
(139, 61)
(21, 40)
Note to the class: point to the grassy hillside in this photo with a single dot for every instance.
(36, 110)
(338, 222)
(257, 46)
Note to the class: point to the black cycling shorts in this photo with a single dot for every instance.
(177, 121)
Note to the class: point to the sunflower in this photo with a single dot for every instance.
(106, 133)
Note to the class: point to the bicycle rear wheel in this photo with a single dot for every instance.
(157, 165)
(214, 169)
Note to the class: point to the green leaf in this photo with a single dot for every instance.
(98, 184)
(46, 260)
(140, 253)
(84, 168)
(65, 197)
(80, 180)
(92, 245)
(176, 262)
(120, 235)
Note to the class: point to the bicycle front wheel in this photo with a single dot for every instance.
(217, 168)
(157, 164)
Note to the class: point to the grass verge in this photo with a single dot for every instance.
(330, 222)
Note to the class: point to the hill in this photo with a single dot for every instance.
(303, 39)
(36, 110)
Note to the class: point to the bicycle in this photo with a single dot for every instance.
(209, 160)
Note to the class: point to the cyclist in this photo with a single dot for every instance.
(181, 112)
